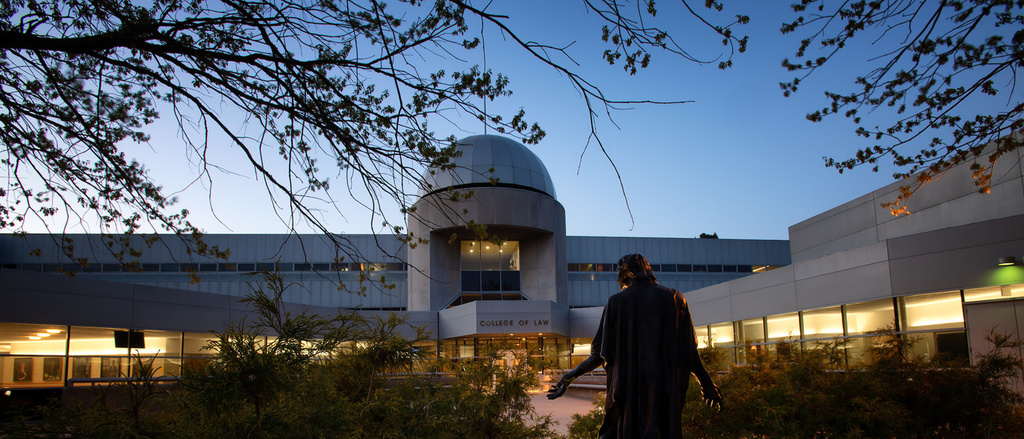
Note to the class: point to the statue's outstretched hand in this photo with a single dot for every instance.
(709, 392)
(560, 388)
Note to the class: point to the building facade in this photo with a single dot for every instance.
(843, 273)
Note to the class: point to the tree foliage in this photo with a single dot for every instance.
(321, 99)
(932, 64)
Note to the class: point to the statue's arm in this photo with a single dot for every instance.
(709, 391)
(592, 362)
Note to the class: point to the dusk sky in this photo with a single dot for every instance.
(740, 160)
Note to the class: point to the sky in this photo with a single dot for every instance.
(739, 159)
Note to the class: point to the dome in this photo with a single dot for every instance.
(514, 166)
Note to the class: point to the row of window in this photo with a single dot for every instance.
(244, 267)
(936, 320)
(248, 267)
(469, 298)
(680, 268)
(490, 281)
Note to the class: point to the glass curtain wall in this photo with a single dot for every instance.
(934, 322)
(48, 355)
(489, 271)
(559, 352)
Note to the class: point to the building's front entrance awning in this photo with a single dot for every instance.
(485, 318)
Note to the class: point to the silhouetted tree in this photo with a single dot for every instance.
(327, 90)
(931, 63)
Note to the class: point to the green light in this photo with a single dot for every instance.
(1007, 260)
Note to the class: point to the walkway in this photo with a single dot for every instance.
(561, 409)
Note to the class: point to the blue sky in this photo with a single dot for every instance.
(740, 160)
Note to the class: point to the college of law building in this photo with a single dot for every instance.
(946, 274)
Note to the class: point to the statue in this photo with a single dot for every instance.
(646, 343)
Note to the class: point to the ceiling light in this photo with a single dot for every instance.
(53, 331)
(34, 337)
(1007, 260)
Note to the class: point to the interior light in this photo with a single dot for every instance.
(34, 337)
(1007, 260)
(53, 331)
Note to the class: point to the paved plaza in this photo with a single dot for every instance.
(561, 409)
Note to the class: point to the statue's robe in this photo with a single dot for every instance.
(647, 342)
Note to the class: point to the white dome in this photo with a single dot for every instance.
(514, 166)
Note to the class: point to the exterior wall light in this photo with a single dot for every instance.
(1007, 260)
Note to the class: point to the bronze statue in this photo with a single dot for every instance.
(648, 348)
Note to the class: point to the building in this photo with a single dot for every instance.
(843, 273)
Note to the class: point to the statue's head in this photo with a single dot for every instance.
(632, 268)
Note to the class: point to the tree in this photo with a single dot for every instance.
(932, 65)
(332, 93)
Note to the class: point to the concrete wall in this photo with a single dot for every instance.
(950, 201)
(858, 251)
(306, 288)
(500, 318)
(534, 219)
(61, 300)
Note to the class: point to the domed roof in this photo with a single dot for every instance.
(514, 166)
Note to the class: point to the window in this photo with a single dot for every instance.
(932, 311)
(994, 293)
(487, 266)
(722, 334)
(823, 323)
(752, 330)
(701, 332)
(864, 317)
(783, 327)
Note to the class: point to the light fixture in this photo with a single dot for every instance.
(53, 331)
(34, 337)
(1007, 260)
(43, 334)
